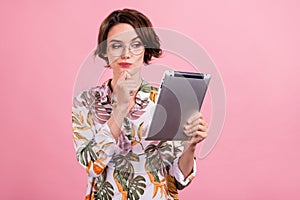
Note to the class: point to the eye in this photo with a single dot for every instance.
(116, 46)
(136, 45)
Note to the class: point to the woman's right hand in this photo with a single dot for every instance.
(121, 95)
(123, 89)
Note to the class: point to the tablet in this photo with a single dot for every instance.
(181, 94)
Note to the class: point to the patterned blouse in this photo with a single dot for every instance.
(131, 168)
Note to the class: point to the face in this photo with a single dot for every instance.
(125, 50)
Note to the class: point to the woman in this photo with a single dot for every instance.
(110, 121)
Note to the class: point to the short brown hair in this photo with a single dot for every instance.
(142, 26)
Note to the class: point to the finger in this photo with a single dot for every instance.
(197, 121)
(194, 123)
(133, 71)
(131, 87)
(200, 121)
(190, 131)
(194, 117)
(130, 84)
(198, 138)
(126, 78)
(122, 78)
(204, 123)
(201, 115)
(203, 128)
(199, 134)
(126, 85)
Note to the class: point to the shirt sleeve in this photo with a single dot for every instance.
(175, 171)
(178, 175)
(94, 146)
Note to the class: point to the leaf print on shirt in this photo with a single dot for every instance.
(136, 187)
(158, 159)
(145, 87)
(85, 154)
(96, 149)
(103, 189)
(153, 94)
(140, 132)
(130, 187)
(96, 100)
(127, 127)
(133, 136)
(80, 125)
(141, 101)
(136, 112)
(162, 185)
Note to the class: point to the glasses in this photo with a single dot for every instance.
(117, 48)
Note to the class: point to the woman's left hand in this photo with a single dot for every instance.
(196, 127)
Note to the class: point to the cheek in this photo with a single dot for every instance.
(140, 59)
(112, 60)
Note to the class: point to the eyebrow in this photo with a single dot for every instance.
(115, 40)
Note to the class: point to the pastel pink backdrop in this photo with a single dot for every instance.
(255, 45)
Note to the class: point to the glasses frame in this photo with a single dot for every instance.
(127, 46)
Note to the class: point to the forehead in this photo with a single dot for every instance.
(123, 32)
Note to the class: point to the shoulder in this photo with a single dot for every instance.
(90, 95)
(84, 97)
(92, 91)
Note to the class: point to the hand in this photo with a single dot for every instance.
(196, 127)
(124, 88)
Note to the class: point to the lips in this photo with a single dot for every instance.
(125, 64)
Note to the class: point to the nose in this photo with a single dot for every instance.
(125, 52)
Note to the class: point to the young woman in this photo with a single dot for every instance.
(110, 121)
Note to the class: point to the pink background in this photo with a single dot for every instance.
(255, 45)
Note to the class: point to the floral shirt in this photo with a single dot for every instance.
(131, 167)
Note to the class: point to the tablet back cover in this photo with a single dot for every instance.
(180, 96)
